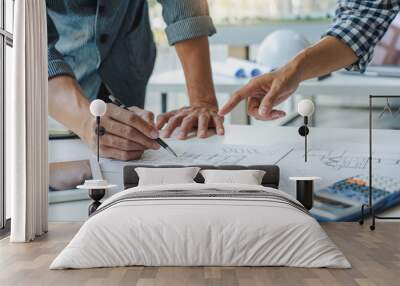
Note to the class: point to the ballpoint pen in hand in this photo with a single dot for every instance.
(161, 142)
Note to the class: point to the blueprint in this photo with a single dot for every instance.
(385, 158)
(333, 162)
(196, 153)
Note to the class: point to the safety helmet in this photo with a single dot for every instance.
(279, 47)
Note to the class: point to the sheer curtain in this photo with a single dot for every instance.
(26, 119)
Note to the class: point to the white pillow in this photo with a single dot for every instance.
(247, 177)
(166, 176)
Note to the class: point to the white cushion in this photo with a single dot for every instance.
(166, 176)
(247, 177)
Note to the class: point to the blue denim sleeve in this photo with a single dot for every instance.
(57, 66)
(361, 24)
(186, 19)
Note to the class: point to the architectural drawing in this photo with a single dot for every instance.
(206, 154)
(338, 159)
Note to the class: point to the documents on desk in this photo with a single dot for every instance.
(330, 161)
(334, 161)
(195, 153)
(343, 168)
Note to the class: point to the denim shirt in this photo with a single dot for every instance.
(111, 42)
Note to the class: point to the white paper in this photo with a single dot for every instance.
(193, 153)
(333, 162)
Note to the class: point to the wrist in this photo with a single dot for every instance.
(202, 100)
(298, 66)
(68, 105)
(84, 129)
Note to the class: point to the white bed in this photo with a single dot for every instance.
(247, 226)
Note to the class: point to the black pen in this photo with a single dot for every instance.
(161, 142)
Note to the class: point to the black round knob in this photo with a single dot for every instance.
(100, 131)
(303, 130)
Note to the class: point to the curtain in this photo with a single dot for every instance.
(26, 123)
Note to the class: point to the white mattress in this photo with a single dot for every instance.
(203, 231)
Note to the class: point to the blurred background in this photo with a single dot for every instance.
(242, 26)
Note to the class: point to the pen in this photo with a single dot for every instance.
(161, 142)
(324, 76)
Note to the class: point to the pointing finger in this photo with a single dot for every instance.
(237, 97)
(253, 107)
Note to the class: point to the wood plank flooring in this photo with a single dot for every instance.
(375, 257)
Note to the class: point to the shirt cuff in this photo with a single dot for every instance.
(358, 46)
(57, 66)
(190, 28)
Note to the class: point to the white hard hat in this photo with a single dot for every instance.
(279, 47)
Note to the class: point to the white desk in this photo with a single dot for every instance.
(338, 85)
(60, 150)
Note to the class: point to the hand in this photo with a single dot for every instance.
(265, 92)
(188, 118)
(128, 133)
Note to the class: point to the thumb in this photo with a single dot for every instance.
(269, 101)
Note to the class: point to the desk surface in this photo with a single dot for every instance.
(240, 134)
(59, 150)
(337, 84)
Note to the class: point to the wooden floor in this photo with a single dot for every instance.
(375, 257)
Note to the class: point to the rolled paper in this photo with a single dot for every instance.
(237, 68)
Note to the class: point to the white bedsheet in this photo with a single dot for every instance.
(200, 231)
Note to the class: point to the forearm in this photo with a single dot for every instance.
(67, 175)
(194, 55)
(328, 55)
(67, 104)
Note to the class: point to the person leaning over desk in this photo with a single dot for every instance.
(97, 47)
(350, 42)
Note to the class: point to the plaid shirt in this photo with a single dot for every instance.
(361, 24)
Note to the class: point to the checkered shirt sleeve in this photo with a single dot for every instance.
(361, 24)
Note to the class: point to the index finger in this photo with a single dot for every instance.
(131, 119)
(237, 97)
